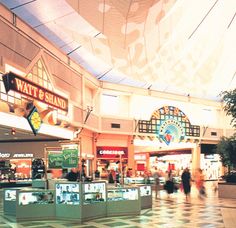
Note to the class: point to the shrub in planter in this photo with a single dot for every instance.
(230, 177)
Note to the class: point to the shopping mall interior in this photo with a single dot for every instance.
(103, 102)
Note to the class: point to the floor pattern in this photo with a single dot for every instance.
(166, 212)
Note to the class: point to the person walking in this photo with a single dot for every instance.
(156, 176)
(186, 182)
(169, 185)
(200, 179)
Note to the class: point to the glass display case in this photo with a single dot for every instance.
(35, 197)
(94, 193)
(10, 195)
(138, 180)
(146, 196)
(67, 193)
(122, 194)
(123, 201)
(145, 190)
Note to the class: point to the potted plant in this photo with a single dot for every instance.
(226, 147)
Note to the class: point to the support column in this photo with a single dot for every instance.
(131, 163)
(196, 155)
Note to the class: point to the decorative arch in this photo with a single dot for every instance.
(169, 123)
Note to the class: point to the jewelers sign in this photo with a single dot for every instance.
(69, 156)
(22, 85)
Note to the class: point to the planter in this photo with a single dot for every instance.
(227, 190)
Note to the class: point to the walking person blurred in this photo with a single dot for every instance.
(186, 182)
(156, 176)
(169, 185)
(199, 180)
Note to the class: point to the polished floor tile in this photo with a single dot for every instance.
(166, 212)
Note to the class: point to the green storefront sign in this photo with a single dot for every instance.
(70, 156)
(55, 160)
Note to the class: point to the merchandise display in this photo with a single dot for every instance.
(67, 193)
(94, 193)
(36, 197)
(10, 195)
(138, 180)
(122, 194)
(145, 190)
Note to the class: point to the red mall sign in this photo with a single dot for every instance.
(28, 88)
(112, 152)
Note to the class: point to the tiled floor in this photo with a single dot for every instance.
(166, 212)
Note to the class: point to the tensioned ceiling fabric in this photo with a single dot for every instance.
(184, 47)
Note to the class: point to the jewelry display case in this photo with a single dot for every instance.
(123, 201)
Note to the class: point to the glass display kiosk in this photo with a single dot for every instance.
(146, 196)
(35, 204)
(29, 204)
(80, 201)
(123, 201)
(93, 200)
(68, 202)
(9, 201)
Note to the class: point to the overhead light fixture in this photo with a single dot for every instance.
(13, 131)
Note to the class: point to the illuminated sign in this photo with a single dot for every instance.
(140, 157)
(23, 155)
(16, 155)
(34, 120)
(171, 130)
(112, 152)
(170, 124)
(5, 155)
(28, 88)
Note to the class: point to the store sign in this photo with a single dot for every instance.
(16, 155)
(169, 124)
(171, 130)
(34, 120)
(55, 160)
(23, 155)
(140, 157)
(21, 85)
(5, 155)
(69, 155)
(112, 152)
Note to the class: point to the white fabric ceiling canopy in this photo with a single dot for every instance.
(184, 47)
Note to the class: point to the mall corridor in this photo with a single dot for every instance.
(170, 212)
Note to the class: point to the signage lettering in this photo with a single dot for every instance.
(112, 152)
(17, 155)
(23, 156)
(5, 155)
(26, 87)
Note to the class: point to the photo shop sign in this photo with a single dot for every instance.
(24, 86)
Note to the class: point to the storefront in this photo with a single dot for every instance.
(141, 163)
(111, 159)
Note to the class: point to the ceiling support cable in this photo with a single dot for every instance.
(203, 19)
(126, 21)
(231, 21)
(73, 50)
(26, 3)
(104, 74)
